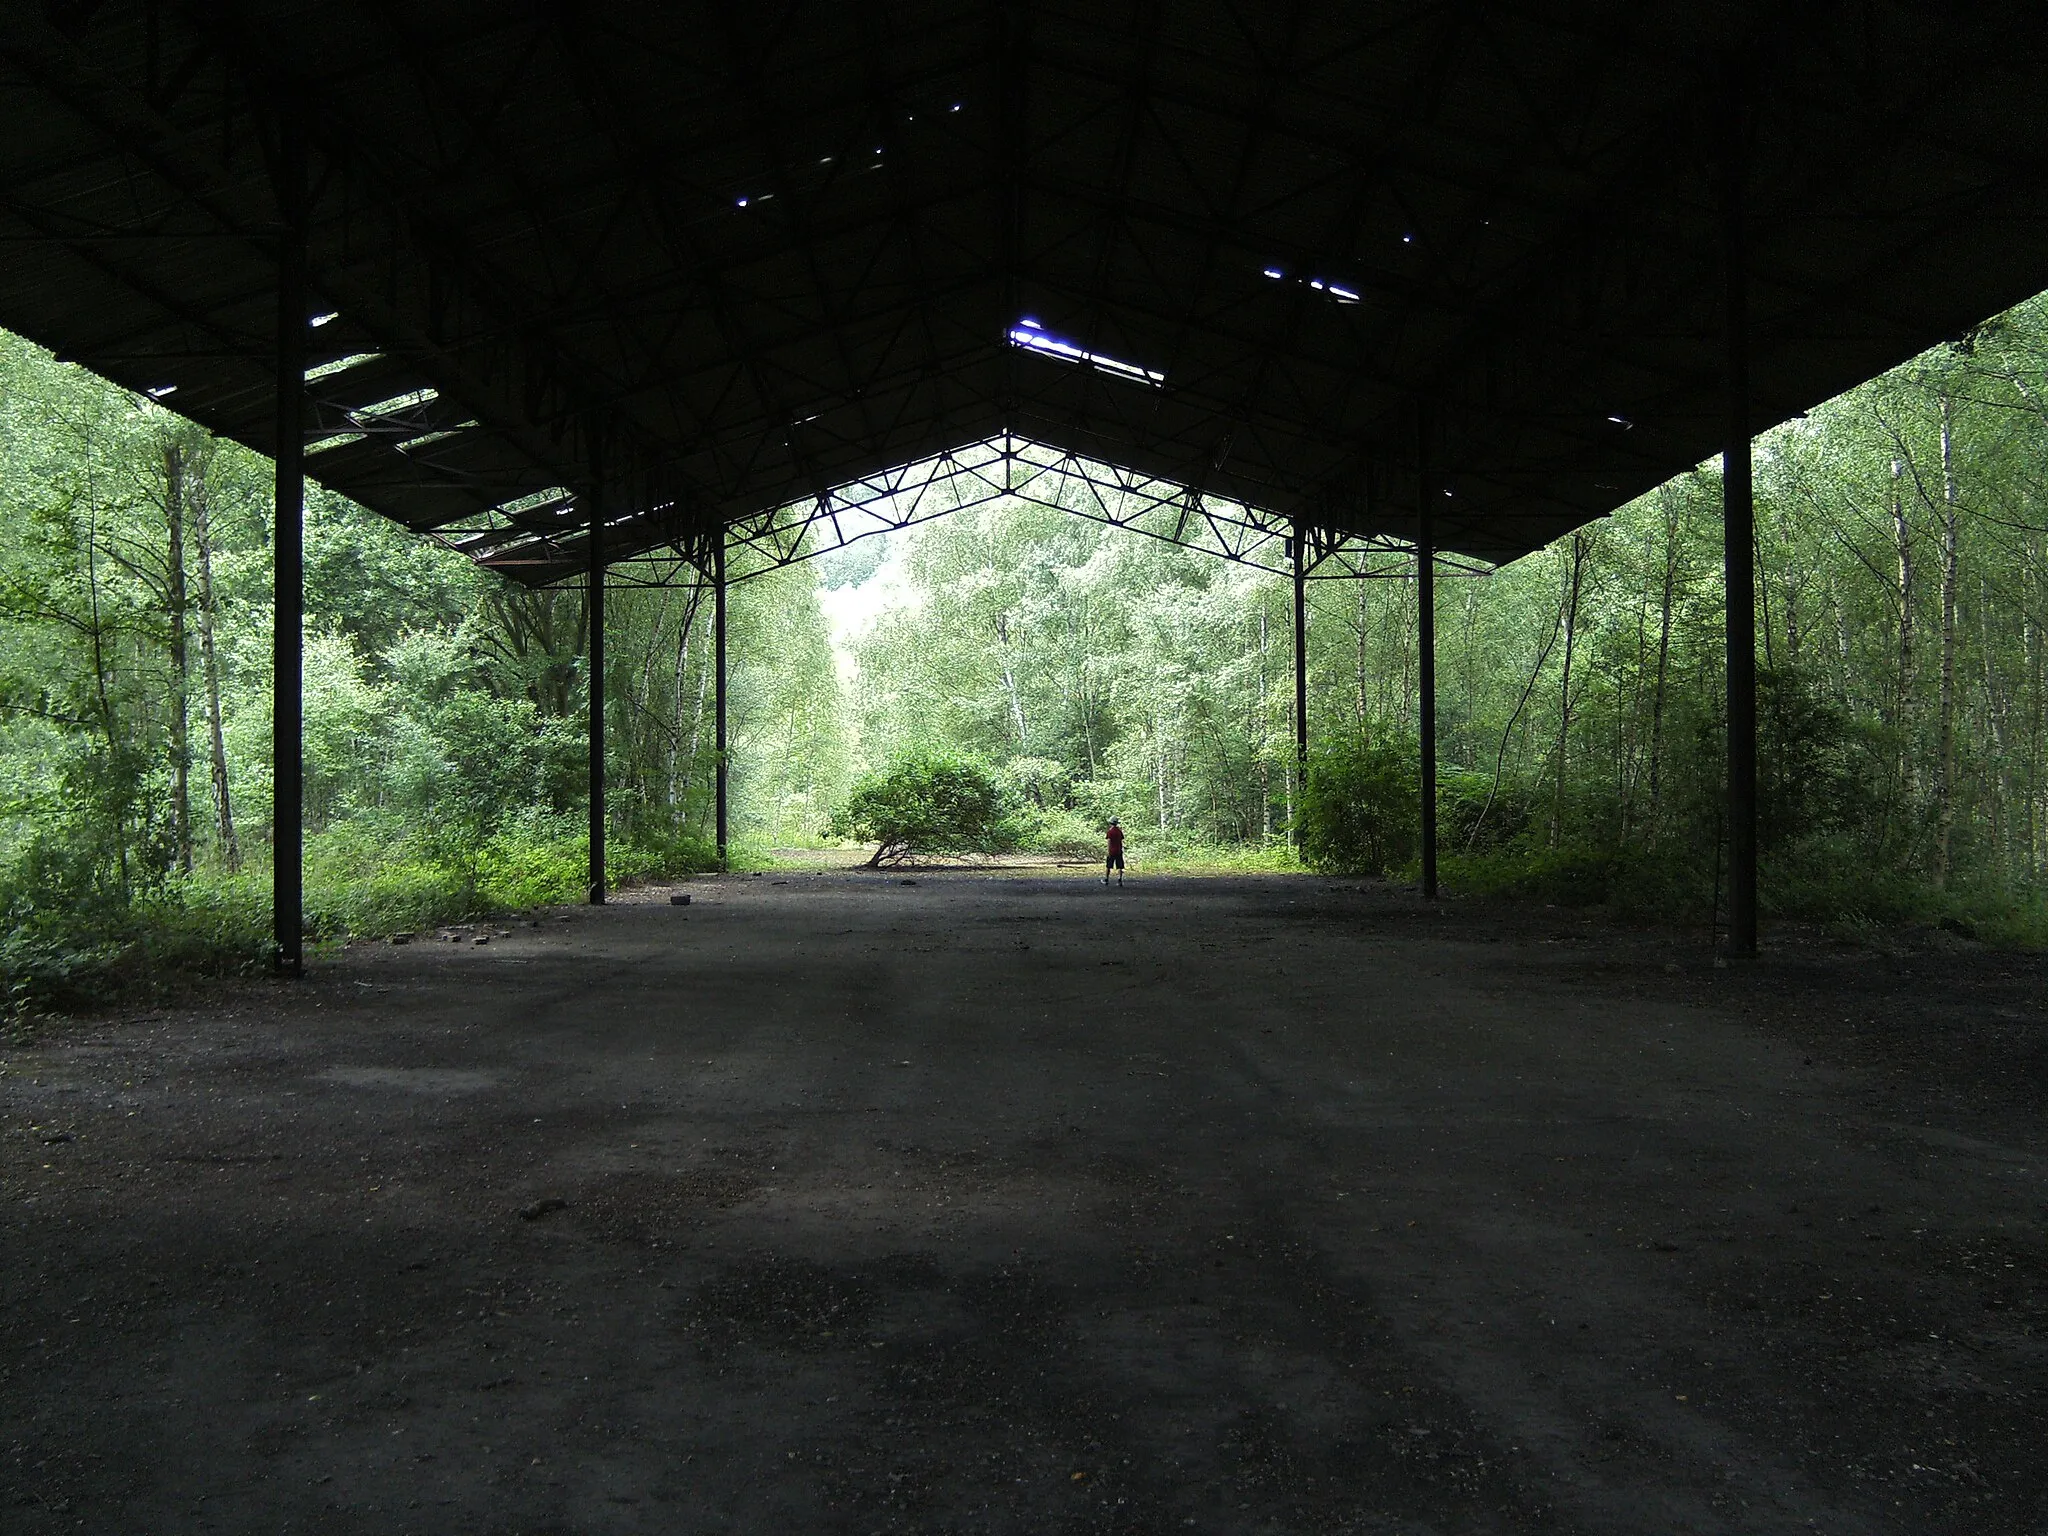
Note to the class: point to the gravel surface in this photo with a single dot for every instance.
(1001, 1202)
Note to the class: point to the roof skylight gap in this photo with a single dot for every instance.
(341, 365)
(425, 438)
(405, 402)
(534, 500)
(1339, 292)
(1029, 334)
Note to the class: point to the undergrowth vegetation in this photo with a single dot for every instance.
(66, 946)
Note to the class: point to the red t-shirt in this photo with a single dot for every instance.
(1116, 839)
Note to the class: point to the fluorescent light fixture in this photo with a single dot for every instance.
(319, 320)
(1274, 272)
(158, 391)
(1032, 336)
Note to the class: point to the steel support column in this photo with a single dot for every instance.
(596, 648)
(1738, 541)
(1425, 625)
(718, 652)
(288, 553)
(1300, 542)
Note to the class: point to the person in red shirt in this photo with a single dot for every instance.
(1116, 853)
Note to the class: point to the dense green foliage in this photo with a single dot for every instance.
(1903, 709)
(444, 710)
(927, 802)
(1361, 812)
(1106, 674)
(1900, 583)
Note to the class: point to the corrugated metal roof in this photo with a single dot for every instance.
(771, 250)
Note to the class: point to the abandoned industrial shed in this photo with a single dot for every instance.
(571, 286)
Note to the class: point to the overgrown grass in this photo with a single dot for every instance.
(1069, 835)
(73, 948)
(1821, 880)
(360, 883)
(68, 945)
(96, 950)
(1190, 857)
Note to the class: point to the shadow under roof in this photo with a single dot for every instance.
(764, 251)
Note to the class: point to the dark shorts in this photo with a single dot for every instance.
(1116, 861)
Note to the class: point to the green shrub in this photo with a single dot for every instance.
(928, 802)
(651, 855)
(1573, 875)
(211, 924)
(1475, 815)
(366, 877)
(1361, 809)
(49, 967)
(59, 955)
(1066, 834)
(398, 889)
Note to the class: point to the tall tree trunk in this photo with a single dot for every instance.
(678, 771)
(1628, 721)
(1159, 753)
(1789, 603)
(1291, 786)
(209, 662)
(1088, 710)
(696, 730)
(1010, 689)
(2030, 653)
(174, 601)
(1995, 707)
(1902, 706)
(1364, 713)
(1945, 751)
(1664, 604)
(1564, 691)
(1265, 769)
(97, 633)
(1841, 644)
(679, 764)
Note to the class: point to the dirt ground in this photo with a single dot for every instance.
(1006, 1203)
